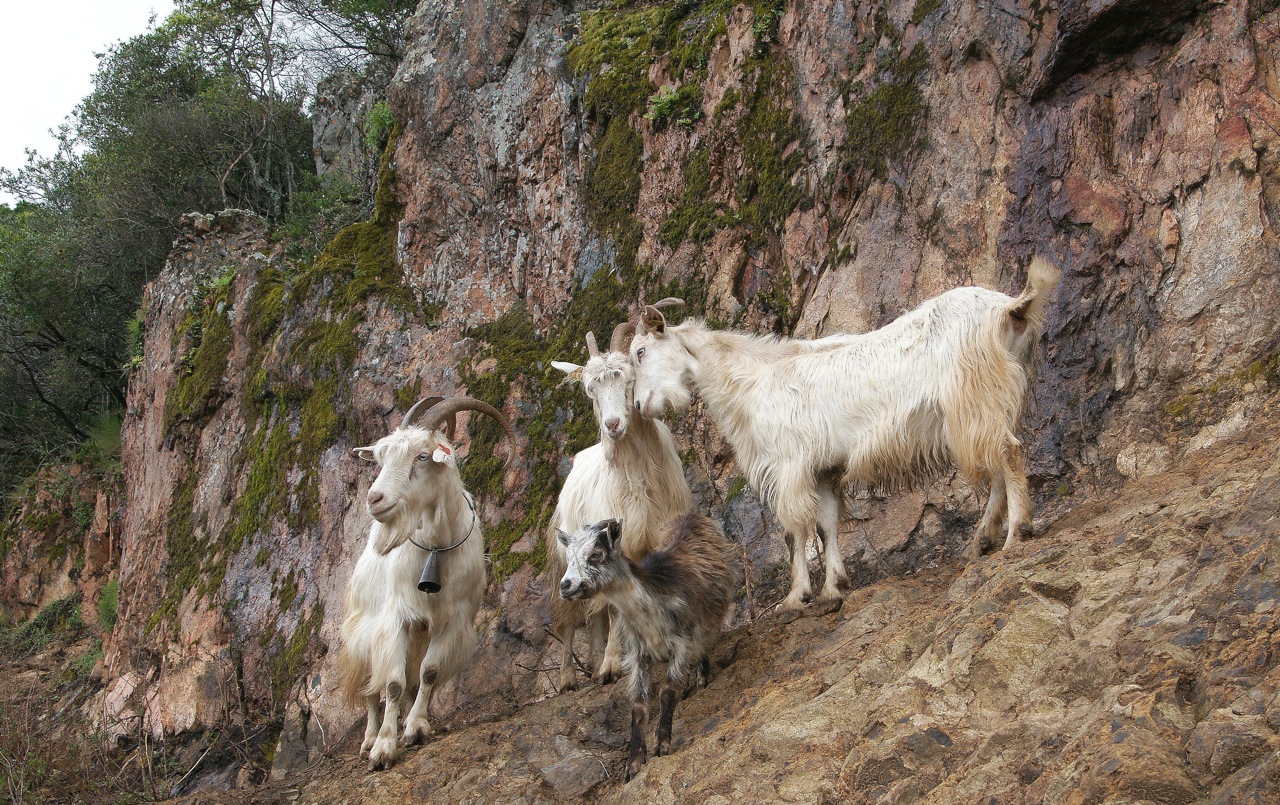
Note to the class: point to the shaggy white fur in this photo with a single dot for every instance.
(632, 474)
(943, 385)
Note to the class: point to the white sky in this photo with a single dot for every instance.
(47, 62)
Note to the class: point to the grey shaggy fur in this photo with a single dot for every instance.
(670, 606)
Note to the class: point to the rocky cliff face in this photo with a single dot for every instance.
(803, 168)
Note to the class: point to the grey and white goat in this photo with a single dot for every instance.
(632, 474)
(397, 639)
(669, 607)
(942, 386)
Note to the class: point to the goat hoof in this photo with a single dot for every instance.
(415, 737)
(384, 754)
(1026, 531)
(567, 683)
(607, 673)
(794, 602)
(633, 769)
(828, 603)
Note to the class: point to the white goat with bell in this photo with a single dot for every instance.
(413, 597)
(632, 474)
(943, 385)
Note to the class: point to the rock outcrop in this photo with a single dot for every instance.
(806, 168)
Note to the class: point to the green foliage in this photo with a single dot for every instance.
(198, 113)
(378, 125)
(201, 369)
(79, 669)
(108, 606)
(613, 177)
(696, 217)
(770, 136)
(319, 209)
(682, 105)
(885, 125)
(101, 450)
(59, 619)
(135, 337)
(923, 9)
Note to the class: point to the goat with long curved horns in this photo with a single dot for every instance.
(397, 639)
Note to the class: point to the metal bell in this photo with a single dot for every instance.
(430, 581)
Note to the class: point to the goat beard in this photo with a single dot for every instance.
(392, 532)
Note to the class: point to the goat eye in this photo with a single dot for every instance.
(639, 354)
(423, 457)
(596, 557)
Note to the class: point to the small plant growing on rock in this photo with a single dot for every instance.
(675, 104)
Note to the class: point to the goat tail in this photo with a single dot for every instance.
(353, 678)
(1028, 310)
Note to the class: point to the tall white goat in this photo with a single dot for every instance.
(943, 385)
(396, 637)
(632, 474)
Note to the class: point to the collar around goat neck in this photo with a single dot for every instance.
(471, 504)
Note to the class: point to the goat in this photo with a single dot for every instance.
(943, 385)
(633, 473)
(397, 638)
(670, 607)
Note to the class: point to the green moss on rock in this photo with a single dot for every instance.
(205, 363)
(885, 125)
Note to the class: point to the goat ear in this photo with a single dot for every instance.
(443, 452)
(653, 321)
(572, 370)
(363, 453)
(562, 537)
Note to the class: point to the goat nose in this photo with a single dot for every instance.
(612, 423)
(565, 586)
(375, 498)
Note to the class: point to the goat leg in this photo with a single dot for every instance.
(416, 725)
(988, 531)
(829, 538)
(1019, 500)
(666, 710)
(800, 585)
(371, 725)
(385, 749)
(610, 667)
(598, 632)
(568, 677)
(637, 752)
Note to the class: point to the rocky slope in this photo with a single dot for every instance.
(804, 168)
(1129, 655)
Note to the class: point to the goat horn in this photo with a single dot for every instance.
(593, 349)
(622, 337)
(423, 404)
(670, 301)
(450, 407)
